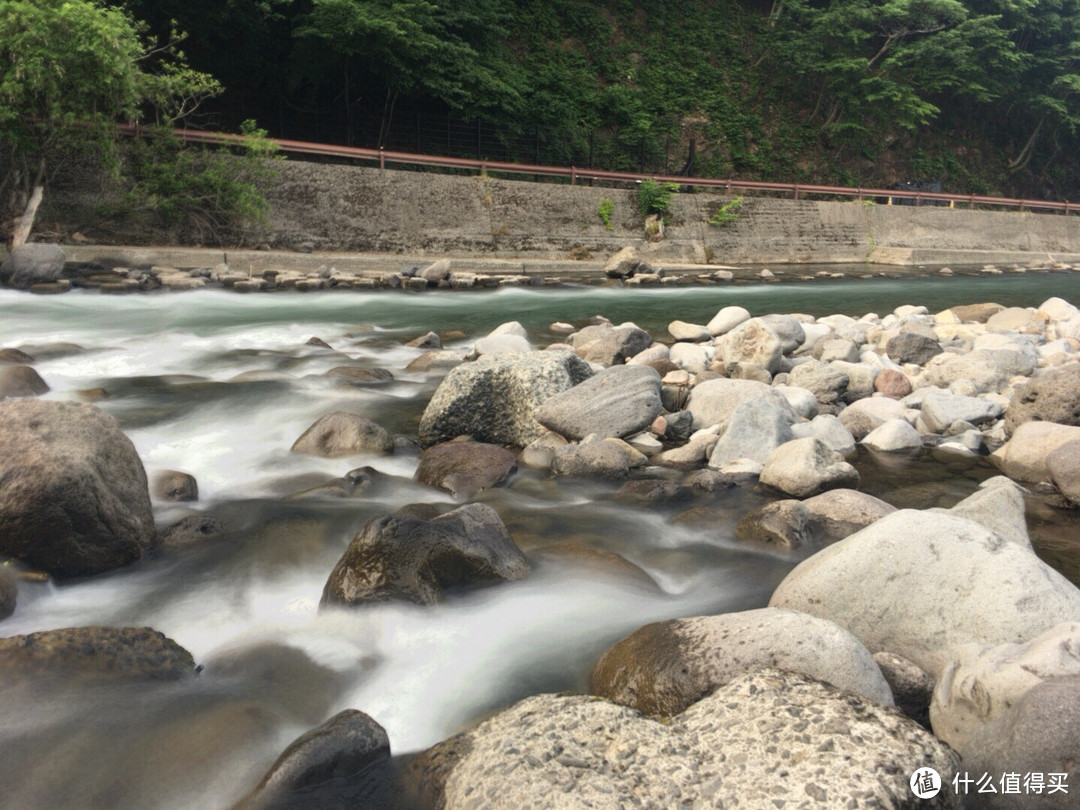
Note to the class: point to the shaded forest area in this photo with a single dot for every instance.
(981, 95)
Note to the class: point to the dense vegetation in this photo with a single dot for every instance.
(983, 95)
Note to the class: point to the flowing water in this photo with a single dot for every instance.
(220, 385)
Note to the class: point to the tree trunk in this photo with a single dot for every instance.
(26, 221)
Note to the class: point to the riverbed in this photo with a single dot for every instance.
(219, 385)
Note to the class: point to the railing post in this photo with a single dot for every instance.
(858, 194)
(795, 191)
(1066, 208)
(573, 175)
(382, 158)
(483, 168)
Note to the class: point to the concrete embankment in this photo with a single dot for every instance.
(398, 216)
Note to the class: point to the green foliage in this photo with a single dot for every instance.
(214, 195)
(604, 210)
(654, 198)
(728, 212)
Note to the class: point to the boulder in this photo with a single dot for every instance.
(435, 272)
(94, 653)
(540, 452)
(894, 435)
(465, 468)
(9, 593)
(495, 399)
(428, 361)
(998, 504)
(73, 493)
(666, 667)
(1015, 355)
(842, 512)
(863, 416)
(727, 319)
(610, 345)
(783, 524)
(343, 434)
(805, 467)
(691, 357)
(976, 313)
(680, 330)
(752, 342)
(803, 402)
(983, 588)
(190, 531)
(754, 430)
(1058, 309)
(601, 458)
(979, 367)
(617, 402)
(983, 682)
(397, 557)
(506, 343)
(1053, 396)
(21, 381)
(172, 485)
(428, 341)
(1063, 465)
(713, 401)
(941, 410)
(817, 521)
(830, 349)
(912, 347)
(1036, 741)
(892, 383)
(15, 356)
(788, 328)
(343, 762)
(1017, 319)
(828, 429)
(1026, 456)
(33, 263)
(690, 455)
(351, 375)
(837, 750)
(824, 380)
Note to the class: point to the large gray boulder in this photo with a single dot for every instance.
(1038, 741)
(617, 402)
(754, 430)
(788, 328)
(666, 667)
(983, 682)
(941, 410)
(979, 367)
(397, 557)
(805, 467)
(610, 345)
(828, 429)
(836, 750)
(752, 342)
(893, 435)
(713, 401)
(1026, 456)
(343, 434)
(73, 493)
(341, 763)
(921, 584)
(34, 263)
(596, 458)
(495, 399)
(998, 504)
(727, 319)
(1053, 396)
(825, 380)
(912, 347)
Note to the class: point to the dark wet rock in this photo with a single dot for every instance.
(785, 524)
(1051, 397)
(342, 763)
(94, 653)
(33, 263)
(318, 342)
(73, 492)
(15, 356)
(93, 394)
(396, 557)
(495, 398)
(21, 381)
(171, 485)
(837, 750)
(601, 458)
(652, 491)
(823, 519)
(9, 592)
(912, 347)
(343, 434)
(190, 531)
(713, 481)
(617, 402)
(609, 345)
(438, 359)
(1040, 734)
(428, 341)
(984, 589)
(912, 688)
(665, 667)
(465, 468)
(360, 376)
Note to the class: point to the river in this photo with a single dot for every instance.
(220, 385)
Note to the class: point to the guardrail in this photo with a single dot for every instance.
(383, 158)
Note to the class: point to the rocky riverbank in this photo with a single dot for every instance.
(904, 639)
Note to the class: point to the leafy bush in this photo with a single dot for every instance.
(726, 213)
(654, 197)
(605, 210)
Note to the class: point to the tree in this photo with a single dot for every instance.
(69, 70)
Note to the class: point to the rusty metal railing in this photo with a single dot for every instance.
(385, 158)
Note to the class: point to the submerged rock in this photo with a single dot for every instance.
(397, 557)
(172, 485)
(343, 434)
(465, 468)
(73, 493)
(21, 381)
(33, 263)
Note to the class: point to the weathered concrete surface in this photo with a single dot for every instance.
(406, 216)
